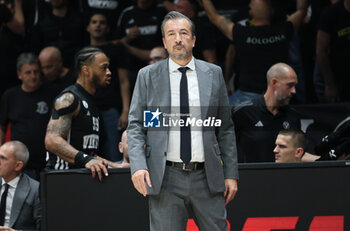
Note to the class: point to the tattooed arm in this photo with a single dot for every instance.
(57, 132)
(58, 129)
(218, 20)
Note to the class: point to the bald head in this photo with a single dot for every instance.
(281, 82)
(123, 146)
(260, 9)
(50, 52)
(51, 63)
(279, 71)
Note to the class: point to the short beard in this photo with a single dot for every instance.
(183, 56)
(281, 101)
(95, 81)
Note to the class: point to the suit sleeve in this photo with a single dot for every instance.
(135, 131)
(37, 210)
(226, 134)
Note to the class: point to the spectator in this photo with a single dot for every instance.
(110, 8)
(262, 44)
(20, 203)
(27, 108)
(290, 146)
(112, 101)
(73, 132)
(60, 27)
(11, 41)
(333, 51)
(205, 31)
(139, 30)
(53, 69)
(258, 121)
(157, 54)
(123, 148)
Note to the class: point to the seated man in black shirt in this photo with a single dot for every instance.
(290, 146)
(259, 46)
(258, 121)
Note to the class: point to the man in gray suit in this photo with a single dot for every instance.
(20, 204)
(191, 170)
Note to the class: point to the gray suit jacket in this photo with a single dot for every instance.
(152, 90)
(26, 211)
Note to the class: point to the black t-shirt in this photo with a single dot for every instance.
(85, 127)
(148, 22)
(60, 84)
(257, 129)
(66, 33)
(67, 80)
(110, 96)
(28, 114)
(205, 36)
(257, 49)
(11, 45)
(336, 22)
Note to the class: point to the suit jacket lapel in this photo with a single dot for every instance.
(161, 83)
(20, 196)
(205, 81)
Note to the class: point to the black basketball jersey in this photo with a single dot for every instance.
(84, 134)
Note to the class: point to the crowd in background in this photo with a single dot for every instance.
(317, 48)
(273, 54)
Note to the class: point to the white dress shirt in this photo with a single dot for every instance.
(197, 147)
(10, 194)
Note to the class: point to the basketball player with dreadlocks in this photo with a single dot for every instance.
(72, 135)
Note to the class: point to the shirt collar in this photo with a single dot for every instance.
(173, 67)
(13, 183)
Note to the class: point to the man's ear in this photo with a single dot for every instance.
(120, 145)
(19, 75)
(164, 43)
(274, 81)
(299, 153)
(85, 69)
(19, 166)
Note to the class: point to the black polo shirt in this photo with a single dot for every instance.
(257, 129)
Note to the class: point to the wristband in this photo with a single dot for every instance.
(81, 159)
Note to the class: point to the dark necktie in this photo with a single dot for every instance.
(185, 140)
(3, 205)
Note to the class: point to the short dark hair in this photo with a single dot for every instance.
(100, 12)
(298, 137)
(27, 58)
(176, 15)
(86, 56)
